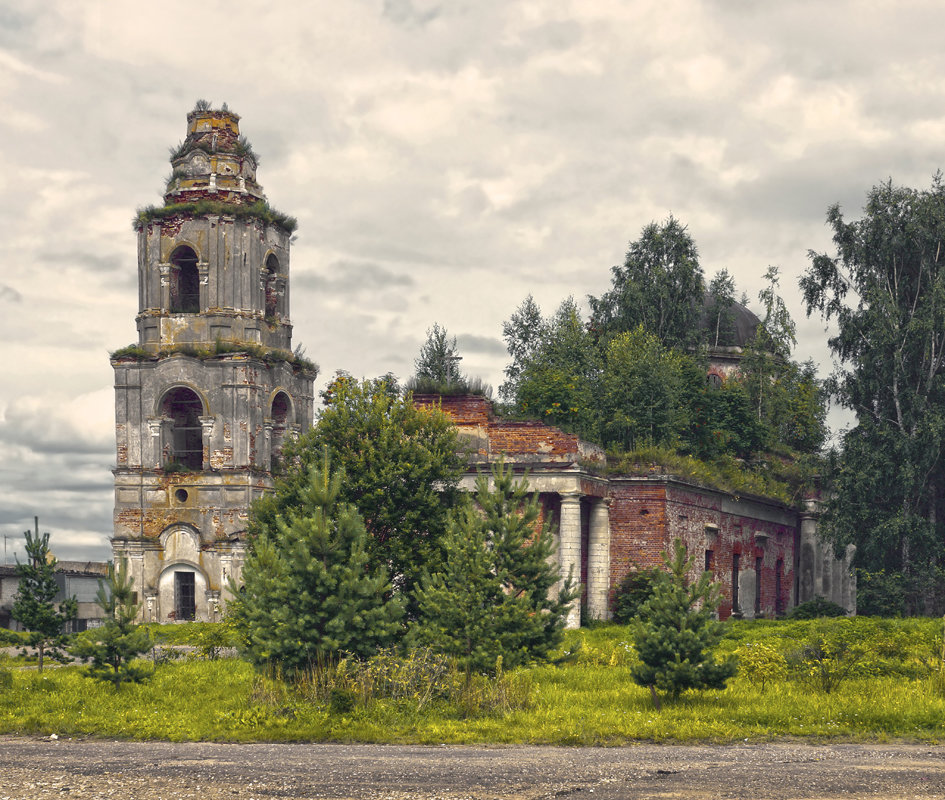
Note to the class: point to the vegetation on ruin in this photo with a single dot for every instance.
(436, 369)
(260, 210)
(297, 358)
(795, 679)
(632, 378)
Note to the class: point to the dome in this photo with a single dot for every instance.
(736, 328)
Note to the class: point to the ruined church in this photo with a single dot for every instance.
(211, 389)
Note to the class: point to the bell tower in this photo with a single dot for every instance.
(212, 388)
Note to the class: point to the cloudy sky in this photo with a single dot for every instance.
(444, 159)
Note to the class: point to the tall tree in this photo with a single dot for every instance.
(788, 400)
(660, 286)
(523, 332)
(402, 464)
(494, 594)
(34, 606)
(642, 392)
(559, 378)
(436, 369)
(885, 291)
(310, 589)
(720, 318)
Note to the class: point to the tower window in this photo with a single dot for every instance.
(183, 408)
(185, 282)
(280, 418)
(273, 304)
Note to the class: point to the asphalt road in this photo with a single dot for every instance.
(44, 768)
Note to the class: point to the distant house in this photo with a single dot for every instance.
(77, 579)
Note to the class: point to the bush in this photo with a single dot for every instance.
(818, 607)
(632, 592)
(761, 663)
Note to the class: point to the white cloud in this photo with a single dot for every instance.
(444, 161)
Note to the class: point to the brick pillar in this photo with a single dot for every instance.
(598, 561)
(569, 549)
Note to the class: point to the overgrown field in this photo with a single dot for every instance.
(852, 679)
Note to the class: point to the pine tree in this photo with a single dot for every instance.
(34, 606)
(309, 590)
(494, 594)
(113, 647)
(675, 632)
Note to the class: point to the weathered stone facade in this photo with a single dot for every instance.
(766, 555)
(204, 401)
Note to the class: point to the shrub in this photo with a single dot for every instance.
(818, 607)
(762, 663)
(831, 653)
(632, 592)
(675, 632)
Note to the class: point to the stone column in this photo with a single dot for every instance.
(268, 443)
(598, 561)
(850, 580)
(809, 563)
(569, 550)
(206, 424)
(155, 428)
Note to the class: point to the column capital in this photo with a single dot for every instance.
(570, 497)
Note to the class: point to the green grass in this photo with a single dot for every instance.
(587, 699)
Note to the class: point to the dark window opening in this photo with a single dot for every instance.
(272, 288)
(181, 495)
(778, 602)
(758, 563)
(715, 380)
(185, 595)
(183, 408)
(709, 560)
(735, 559)
(185, 282)
(280, 418)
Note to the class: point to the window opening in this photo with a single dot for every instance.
(185, 282)
(185, 595)
(709, 560)
(183, 408)
(280, 419)
(272, 289)
(735, 559)
(778, 602)
(758, 563)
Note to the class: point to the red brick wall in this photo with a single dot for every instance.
(637, 527)
(673, 510)
(531, 438)
(464, 409)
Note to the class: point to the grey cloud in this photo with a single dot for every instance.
(405, 12)
(472, 343)
(353, 276)
(9, 293)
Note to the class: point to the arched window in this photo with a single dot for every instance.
(273, 306)
(184, 408)
(281, 409)
(185, 282)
